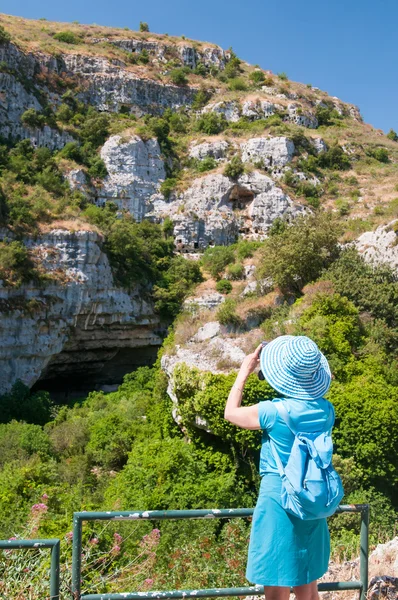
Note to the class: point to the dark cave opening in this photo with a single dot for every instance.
(71, 377)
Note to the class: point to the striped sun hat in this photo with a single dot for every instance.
(295, 367)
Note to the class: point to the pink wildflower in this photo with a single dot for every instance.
(26, 570)
(94, 541)
(118, 538)
(44, 497)
(156, 533)
(115, 550)
(69, 536)
(148, 581)
(39, 508)
(12, 538)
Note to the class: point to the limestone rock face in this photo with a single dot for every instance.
(306, 119)
(215, 209)
(15, 99)
(76, 326)
(231, 110)
(276, 151)
(380, 246)
(79, 180)
(135, 172)
(260, 109)
(319, 145)
(216, 150)
(109, 87)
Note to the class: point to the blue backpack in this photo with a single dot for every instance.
(311, 488)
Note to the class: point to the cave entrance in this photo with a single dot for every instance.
(67, 378)
(240, 197)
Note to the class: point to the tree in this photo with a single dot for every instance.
(178, 77)
(301, 252)
(392, 135)
(144, 26)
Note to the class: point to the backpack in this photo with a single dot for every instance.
(311, 488)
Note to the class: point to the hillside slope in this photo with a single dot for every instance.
(101, 127)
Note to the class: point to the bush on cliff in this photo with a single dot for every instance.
(301, 252)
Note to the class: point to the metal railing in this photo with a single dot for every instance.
(155, 515)
(53, 544)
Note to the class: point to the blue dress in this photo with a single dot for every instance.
(285, 550)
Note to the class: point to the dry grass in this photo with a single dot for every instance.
(68, 225)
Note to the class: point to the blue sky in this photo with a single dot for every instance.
(347, 48)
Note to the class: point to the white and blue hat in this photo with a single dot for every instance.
(295, 367)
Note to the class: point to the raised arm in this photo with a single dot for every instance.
(243, 416)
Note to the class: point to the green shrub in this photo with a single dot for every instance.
(15, 265)
(327, 115)
(168, 186)
(143, 57)
(392, 135)
(226, 314)
(373, 289)
(21, 405)
(200, 70)
(334, 158)
(301, 252)
(246, 248)
(232, 68)
(283, 76)
(178, 77)
(64, 113)
(178, 122)
(200, 100)
(379, 154)
(257, 77)
(95, 128)
(223, 286)
(215, 259)
(343, 206)
(67, 37)
(234, 168)
(211, 123)
(5, 37)
(236, 271)
(33, 118)
(175, 284)
(367, 428)
(237, 84)
(144, 26)
(207, 164)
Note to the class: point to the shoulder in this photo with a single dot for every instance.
(267, 414)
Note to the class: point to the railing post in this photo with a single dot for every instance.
(54, 575)
(364, 551)
(76, 557)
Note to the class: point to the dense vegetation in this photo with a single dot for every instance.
(124, 451)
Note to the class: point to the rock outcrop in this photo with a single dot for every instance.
(216, 150)
(135, 172)
(380, 246)
(77, 323)
(271, 152)
(215, 209)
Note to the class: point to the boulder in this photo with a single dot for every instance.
(380, 246)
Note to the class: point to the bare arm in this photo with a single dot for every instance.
(243, 416)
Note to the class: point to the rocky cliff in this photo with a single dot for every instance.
(169, 130)
(74, 326)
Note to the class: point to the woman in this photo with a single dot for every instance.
(284, 551)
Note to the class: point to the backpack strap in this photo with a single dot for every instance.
(284, 415)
